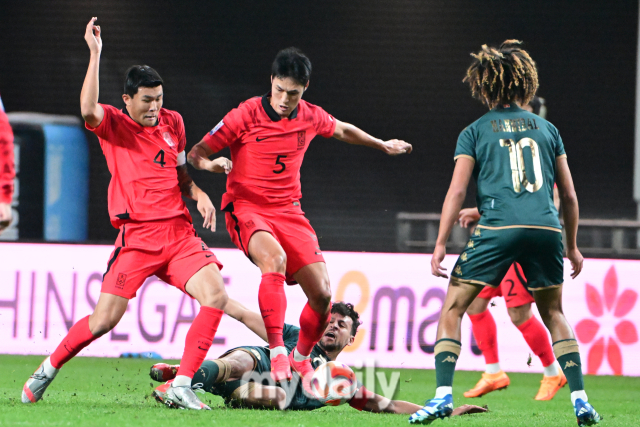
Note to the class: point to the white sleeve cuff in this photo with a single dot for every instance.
(182, 158)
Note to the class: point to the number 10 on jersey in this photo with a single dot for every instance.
(516, 158)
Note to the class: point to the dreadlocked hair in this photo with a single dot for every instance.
(503, 75)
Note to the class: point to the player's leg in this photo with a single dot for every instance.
(207, 287)
(259, 396)
(315, 316)
(127, 270)
(543, 266)
(265, 251)
(485, 261)
(486, 335)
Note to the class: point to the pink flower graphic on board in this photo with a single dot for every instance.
(609, 303)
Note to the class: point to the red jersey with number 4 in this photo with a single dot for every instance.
(7, 168)
(266, 150)
(142, 161)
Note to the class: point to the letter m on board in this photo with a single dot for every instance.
(393, 295)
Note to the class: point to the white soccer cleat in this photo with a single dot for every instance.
(36, 385)
(183, 397)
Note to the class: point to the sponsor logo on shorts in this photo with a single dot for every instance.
(450, 359)
(318, 252)
(122, 278)
(458, 271)
(464, 256)
(302, 139)
(477, 232)
(570, 364)
(250, 224)
(470, 244)
(215, 129)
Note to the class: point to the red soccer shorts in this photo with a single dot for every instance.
(513, 288)
(287, 225)
(168, 249)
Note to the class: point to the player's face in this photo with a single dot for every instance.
(338, 334)
(285, 95)
(145, 105)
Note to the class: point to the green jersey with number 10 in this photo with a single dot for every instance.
(515, 154)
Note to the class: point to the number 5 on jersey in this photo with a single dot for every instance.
(280, 164)
(516, 158)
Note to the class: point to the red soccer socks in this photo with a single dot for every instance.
(79, 337)
(312, 326)
(484, 330)
(535, 334)
(273, 306)
(199, 339)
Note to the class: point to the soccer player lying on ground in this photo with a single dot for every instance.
(144, 147)
(224, 376)
(518, 223)
(268, 137)
(518, 299)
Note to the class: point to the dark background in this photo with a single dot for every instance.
(392, 68)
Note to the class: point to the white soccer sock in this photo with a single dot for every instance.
(49, 370)
(275, 351)
(298, 357)
(181, 381)
(552, 370)
(492, 368)
(579, 394)
(442, 391)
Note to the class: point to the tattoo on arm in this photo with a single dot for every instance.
(185, 182)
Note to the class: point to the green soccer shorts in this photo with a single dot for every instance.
(491, 251)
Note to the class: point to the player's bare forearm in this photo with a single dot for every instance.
(569, 201)
(250, 319)
(454, 199)
(187, 187)
(198, 156)
(91, 111)
(353, 135)
(380, 404)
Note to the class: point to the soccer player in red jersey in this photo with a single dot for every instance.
(144, 147)
(268, 137)
(7, 169)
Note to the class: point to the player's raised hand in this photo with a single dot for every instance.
(208, 212)
(576, 259)
(397, 146)
(438, 256)
(92, 36)
(221, 164)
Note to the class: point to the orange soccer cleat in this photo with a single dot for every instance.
(489, 383)
(550, 385)
(280, 369)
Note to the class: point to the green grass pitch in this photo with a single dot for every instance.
(116, 392)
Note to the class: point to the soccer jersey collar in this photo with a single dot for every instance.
(147, 128)
(507, 107)
(275, 117)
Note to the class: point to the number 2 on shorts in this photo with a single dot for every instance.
(516, 158)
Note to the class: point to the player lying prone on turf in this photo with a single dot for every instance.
(224, 376)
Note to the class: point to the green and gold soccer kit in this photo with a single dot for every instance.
(515, 154)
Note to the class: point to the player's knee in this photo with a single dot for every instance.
(322, 297)
(214, 298)
(519, 315)
(274, 263)
(100, 325)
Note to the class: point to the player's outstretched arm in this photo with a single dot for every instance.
(191, 190)
(381, 404)
(251, 319)
(199, 155)
(569, 201)
(91, 111)
(450, 210)
(352, 135)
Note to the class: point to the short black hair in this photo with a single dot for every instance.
(291, 62)
(346, 309)
(140, 76)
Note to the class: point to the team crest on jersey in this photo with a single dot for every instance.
(250, 224)
(302, 139)
(168, 139)
(215, 129)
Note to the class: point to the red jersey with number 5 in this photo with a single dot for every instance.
(266, 150)
(142, 161)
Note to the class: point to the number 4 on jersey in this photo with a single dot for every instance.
(516, 158)
(159, 158)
